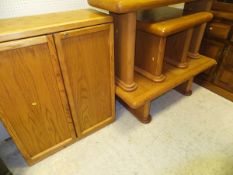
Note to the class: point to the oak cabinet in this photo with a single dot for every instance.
(33, 105)
(57, 85)
(212, 49)
(86, 57)
(218, 44)
(218, 30)
(224, 77)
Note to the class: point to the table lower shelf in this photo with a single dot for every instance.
(148, 90)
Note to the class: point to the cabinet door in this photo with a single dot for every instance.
(218, 30)
(224, 76)
(86, 58)
(33, 105)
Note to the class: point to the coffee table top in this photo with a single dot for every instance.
(125, 6)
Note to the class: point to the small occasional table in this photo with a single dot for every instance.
(124, 13)
(135, 90)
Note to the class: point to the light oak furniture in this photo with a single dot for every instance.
(218, 44)
(168, 34)
(124, 13)
(57, 79)
(138, 102)
(137, 91)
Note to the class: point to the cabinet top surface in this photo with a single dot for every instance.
(124, 6)
(22, 27)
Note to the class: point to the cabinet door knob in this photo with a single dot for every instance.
(66, 35)
(34, 104)
(211, 28)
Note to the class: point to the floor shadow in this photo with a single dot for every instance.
(165, 101)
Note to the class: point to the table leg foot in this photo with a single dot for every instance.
(142, 113)
(185, 88)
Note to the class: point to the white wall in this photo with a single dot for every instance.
(15, 8)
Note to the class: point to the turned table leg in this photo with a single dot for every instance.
(125, 34)
(142, 113)
(196, 41)
(193, 7)
(176, 54)
(185, 88)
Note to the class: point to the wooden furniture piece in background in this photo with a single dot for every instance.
(218, 44)
(42, 111)
(136, 91)
(169, 39)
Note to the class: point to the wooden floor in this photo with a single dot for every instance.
(148, 90)
(216, 89)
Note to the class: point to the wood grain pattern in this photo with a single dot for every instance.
(142, 113)
(186, 87)
(218, 30)
(224, 77)
(221, 6)
(194, 7)
(138, 102)
(149, 90)
(125, 33)
(126, 6)
(22, 43)
(149, 60)
(177, 47)
(218, 44)
(214, 88)
(167, 40)
(22, 27)
(33, 105)
(195, 45)
(223, 15)
(86, 58)
(212, 49)
(172, 26)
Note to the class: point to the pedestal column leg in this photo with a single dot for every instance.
(142, 113)
(196, 41)
(193, 7)
(125, 34)
(176, 54)
(185, 88)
